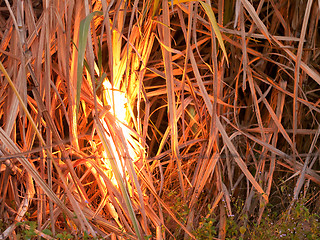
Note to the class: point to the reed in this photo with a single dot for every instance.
(169, 119)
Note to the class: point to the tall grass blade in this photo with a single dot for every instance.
(118, 176)
(83, 38)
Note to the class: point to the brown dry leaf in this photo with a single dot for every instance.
(239, 160)
(248, 6)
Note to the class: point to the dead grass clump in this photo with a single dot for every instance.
(157, 119)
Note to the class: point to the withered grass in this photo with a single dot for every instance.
(216, 111)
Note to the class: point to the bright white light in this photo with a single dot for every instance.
(118, 101)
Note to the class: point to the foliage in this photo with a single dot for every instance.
(206, 229)
(28, 233)
(298, 223)
(64, 236)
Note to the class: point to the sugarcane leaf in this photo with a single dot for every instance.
(83, 38)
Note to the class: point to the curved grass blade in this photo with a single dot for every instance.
(212, 20)
(215, 26)
(83, 38)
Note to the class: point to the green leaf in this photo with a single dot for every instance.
(33, 225)
(83, 38)
(242, 229)
(85, 235)
(59, 236)
(47, 231)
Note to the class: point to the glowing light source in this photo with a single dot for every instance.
(118, 107)
(116, 99)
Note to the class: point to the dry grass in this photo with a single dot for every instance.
(214, 111)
